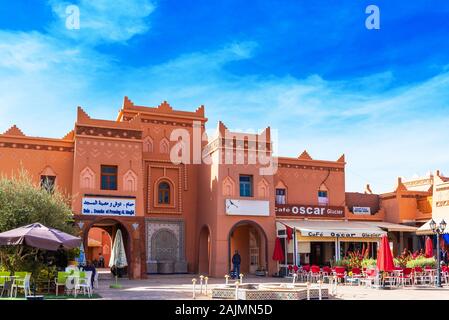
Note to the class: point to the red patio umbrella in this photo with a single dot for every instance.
(429, 248)
(278, 254)
(384, 257)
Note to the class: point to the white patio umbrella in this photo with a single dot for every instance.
(118, 255)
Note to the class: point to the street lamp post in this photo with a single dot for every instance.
(437, 230)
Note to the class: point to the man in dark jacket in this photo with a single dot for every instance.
(236, 260)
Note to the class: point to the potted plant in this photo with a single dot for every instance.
(72, 255)
(261, 272)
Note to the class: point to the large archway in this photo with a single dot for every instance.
(110, 227)
(250, 240)
(204, 251)
(99, 245)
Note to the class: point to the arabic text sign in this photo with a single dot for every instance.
(109, 207)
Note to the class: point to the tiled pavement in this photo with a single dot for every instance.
(177, 287)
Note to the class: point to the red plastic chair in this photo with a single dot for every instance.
(315, 273)
(356, 272)
(304, 272)
(327, 270)
(340, 273)
(407, 276)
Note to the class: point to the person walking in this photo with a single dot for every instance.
(100, 260)
(236, 261)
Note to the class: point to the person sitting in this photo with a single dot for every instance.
(90, 267)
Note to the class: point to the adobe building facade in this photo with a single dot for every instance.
(186, 202)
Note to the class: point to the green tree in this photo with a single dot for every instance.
(23, 202)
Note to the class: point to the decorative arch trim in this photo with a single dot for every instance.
(87, 178)
(164, 146)
(130, 181)
(148, 144)
(228, 187)
(263, 190)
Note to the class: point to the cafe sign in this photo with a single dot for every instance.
(306, 211)
(108, 207)
(343, 233)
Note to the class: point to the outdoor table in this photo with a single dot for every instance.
(353, 280)
(430, 274)
(398, 275)
(390, 281)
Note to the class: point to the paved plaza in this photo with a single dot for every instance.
(179, 287)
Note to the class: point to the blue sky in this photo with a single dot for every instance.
(309, 69)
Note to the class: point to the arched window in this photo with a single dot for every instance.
(164, 193)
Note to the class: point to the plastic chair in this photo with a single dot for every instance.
(21, 281)
(84, 282)
(445, 274)
(61, 280)
(315, 273)
(340, 273)
(407, 276)
(96, 280)
(326, 273)
(3, 276)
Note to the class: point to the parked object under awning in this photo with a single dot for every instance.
(332, 228)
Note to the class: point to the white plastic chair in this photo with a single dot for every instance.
(25, 285)
(96, 280)
(84, 284)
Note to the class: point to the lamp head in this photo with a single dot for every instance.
(442, 225)
(433, 225)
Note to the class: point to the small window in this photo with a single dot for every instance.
(246, 186)
(323, 199)
(48, 183)
(280, 196)
(164, 193)
(109, 177)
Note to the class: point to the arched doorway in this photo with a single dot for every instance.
(99, 244)
(251, 242)
(107, 228)
(204, 251)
